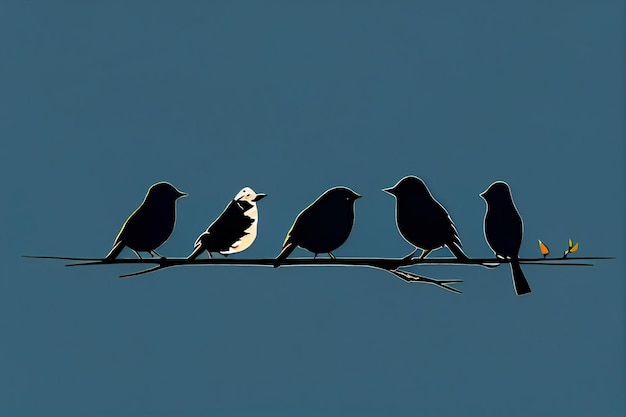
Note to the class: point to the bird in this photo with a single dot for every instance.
(323, 226)
(504, 229)
(235, 229)
(151, 224)
(423, 221)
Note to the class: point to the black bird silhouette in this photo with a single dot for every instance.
(421, 220)
(234, 230)
(324, 225)
(504, 229)
(151, 224)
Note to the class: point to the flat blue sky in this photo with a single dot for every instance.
(99, 101)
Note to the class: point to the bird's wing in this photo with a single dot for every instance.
(288, 237)
(229, 227)
(304, 217)
(234, 245)
(447, 222)
(198, 241)
(232, 221)
(129, 225)
(457, 239)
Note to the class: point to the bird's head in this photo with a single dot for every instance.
(340, 194)
(164, 191)
(247, 194)
(410, 185)
(497, 191)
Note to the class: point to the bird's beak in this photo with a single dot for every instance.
(181, 194)
(483, 194)
(388, 190)
(357, 196)
(259, 197)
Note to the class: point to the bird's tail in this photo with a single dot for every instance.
(289, 247)
(115, 250)
(197, 250)
(519, 280)
(456, 251)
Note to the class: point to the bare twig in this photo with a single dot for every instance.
(410, 277)
(145, 271)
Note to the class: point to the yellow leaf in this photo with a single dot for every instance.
(574, 248)
(544, 249)
(570, 243)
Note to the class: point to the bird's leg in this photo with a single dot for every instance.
(331, 255)
(137, 253)
(314, 255)
(210, 256)
(425, 253)
(409, 256)
(155, 253)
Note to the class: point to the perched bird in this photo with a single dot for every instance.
(504, 229)
(324, 225)
(151, 224)
(421, 220)
(234, 230)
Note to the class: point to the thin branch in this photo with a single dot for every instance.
(145, 271)
(557, 263)
(61, 258)
(391, 265)
(410, 277)
(382, 263)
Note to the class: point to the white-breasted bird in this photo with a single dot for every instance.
(234, 230)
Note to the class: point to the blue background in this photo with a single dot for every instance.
(99, 101)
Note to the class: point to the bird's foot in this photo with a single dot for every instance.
(425, 253)
(331, 256)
